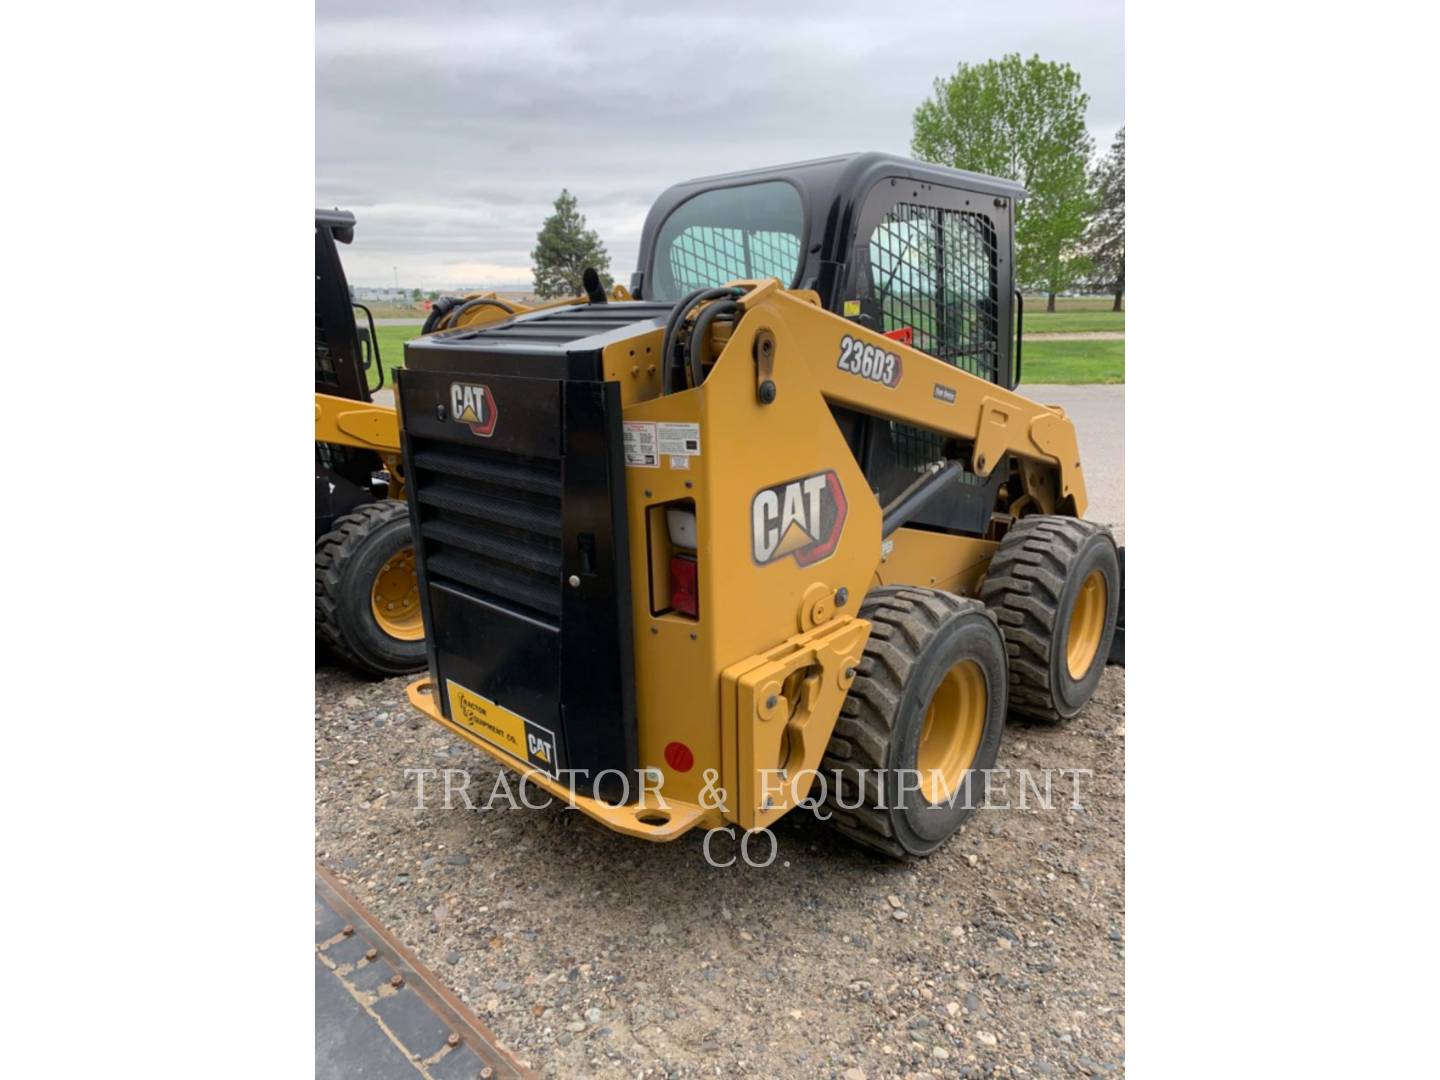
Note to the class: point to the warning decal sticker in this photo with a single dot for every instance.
(640, 444)
(679, 440)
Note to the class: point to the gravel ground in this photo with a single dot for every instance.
(591, 954)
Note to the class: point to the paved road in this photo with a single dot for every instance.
(1099, 416)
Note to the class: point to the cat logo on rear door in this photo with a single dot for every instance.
(800, 518)
(540, 745)
(473, 405)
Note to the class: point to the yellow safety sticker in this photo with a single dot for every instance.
(852, 308)
(497, 725)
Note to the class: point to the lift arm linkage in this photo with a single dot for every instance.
(857, 367)
(356, 423)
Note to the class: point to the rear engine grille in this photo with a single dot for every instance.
(490, 525)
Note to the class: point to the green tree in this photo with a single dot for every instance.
(564, 247)
(416, 295)
(1023, 120)
(1106, 236)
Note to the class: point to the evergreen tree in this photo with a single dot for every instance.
(564, 247)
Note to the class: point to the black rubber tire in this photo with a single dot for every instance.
(1117, 643)
(347, 558)
(917, 635)
(1031, 584)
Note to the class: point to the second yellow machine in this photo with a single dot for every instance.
(777, 531)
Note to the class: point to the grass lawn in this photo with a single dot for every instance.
(392, 346)
(417, 311)
(1070, 303)
(1072, 362)
(1071, 322)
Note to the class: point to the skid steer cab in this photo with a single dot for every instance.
(777, 531)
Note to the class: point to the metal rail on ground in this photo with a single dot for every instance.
(380, 1013)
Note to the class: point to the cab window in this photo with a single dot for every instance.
(747, 231)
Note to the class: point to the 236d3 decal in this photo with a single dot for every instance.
(802, 518)
(869, 362)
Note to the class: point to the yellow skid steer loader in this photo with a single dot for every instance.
(778, 531)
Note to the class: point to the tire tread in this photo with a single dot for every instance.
(1023, 587)
(903, 618)
(333, 551)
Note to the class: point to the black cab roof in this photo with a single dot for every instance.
(831, 190)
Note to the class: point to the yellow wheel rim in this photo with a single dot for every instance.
(395, 597)
(954, 723)
(1087, 625)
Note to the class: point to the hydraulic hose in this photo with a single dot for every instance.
(698, 347)
(438, 310)
(677, 315)
(450, 321)
(676, 320)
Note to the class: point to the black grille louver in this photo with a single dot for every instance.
(491, 525)
(521, 535)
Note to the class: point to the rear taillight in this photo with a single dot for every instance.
(685, 585)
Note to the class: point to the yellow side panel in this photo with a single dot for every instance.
(935, 561)
(746, 607)
(635, 365)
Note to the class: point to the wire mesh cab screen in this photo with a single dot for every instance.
(934, 271)
(940, 272)
(745, 231)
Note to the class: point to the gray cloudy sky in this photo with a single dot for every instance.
(450, 127)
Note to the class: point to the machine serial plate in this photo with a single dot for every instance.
(498, 726)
